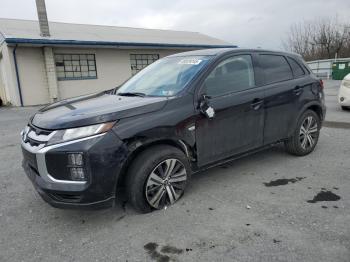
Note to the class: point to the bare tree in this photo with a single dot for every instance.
(299, 38)
(319, 39)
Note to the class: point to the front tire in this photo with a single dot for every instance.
(345, 108)
(157, 178)
(305, 136)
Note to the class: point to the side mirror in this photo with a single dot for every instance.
(205, 108)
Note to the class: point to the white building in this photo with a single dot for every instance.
(76, 59)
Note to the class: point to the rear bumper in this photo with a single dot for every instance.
(103, 158)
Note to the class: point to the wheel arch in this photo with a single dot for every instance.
(314, 106)
(317, 109)
(137, 147)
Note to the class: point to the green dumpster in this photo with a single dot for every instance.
(340, 70)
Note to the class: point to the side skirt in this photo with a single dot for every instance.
(235, 157)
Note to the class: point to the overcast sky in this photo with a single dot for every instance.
(247, 23)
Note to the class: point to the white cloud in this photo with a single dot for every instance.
(249, 23)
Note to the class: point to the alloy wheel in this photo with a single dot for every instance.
(308, 133)
(166, 183)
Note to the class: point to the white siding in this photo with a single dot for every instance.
(113, 68)
(51, 73)
(2, 79)
(9, 77)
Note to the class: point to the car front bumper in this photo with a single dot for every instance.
(103, 154)
(344, 96)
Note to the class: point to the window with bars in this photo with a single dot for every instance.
(75, 66)
(140, 61)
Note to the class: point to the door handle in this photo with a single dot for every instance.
(256, 104)
(297, 90)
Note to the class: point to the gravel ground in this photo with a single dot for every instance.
(259, 208)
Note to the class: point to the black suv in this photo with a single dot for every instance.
(182, 114)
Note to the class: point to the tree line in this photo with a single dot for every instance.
(319, 39)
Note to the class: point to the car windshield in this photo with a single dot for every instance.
(165, 77)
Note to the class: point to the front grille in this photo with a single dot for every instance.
(36, 137)
(33, 142)
(40, 131)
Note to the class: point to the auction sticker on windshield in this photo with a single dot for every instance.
(190, 61)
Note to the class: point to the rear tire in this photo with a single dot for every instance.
(157, 178)
(305, 136)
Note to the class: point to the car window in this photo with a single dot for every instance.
(298, 71)
(231, 75)
(276, 68)
(165, 77)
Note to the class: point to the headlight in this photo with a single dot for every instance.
(346, 83)
(79, 132)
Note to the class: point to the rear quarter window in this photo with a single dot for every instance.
(298, 71)
(276, 68)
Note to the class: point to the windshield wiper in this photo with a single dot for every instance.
(132, 94)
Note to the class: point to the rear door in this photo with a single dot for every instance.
(239, 113)
(282, 93)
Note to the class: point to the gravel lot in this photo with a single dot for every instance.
(237, 212)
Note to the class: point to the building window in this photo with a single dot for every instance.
(140, 61)
(75, 66)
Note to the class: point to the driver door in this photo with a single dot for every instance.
(238, 123)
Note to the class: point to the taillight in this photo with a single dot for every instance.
(321, 84)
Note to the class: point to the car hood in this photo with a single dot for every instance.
(93, 109)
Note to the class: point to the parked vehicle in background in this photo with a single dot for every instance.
(344, 93)
(180, 115)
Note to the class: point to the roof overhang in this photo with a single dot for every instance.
(106, 44)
